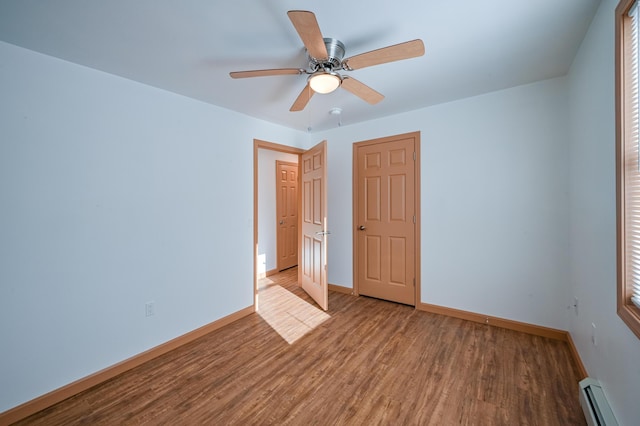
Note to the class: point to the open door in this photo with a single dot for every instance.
(314, 224)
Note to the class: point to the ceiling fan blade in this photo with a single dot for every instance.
(361, 90)
(309, 31)
(264, 73)
(397, 52)
(303, 99)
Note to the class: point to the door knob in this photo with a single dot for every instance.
(362, 227)
(282, 222)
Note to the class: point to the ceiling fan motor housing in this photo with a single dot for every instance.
(335, 50)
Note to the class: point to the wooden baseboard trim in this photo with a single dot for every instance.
(271, 272)
(536, 330)
(340, 289)
(576, 357)
(47, 400)
(268, 273)
(262, 275)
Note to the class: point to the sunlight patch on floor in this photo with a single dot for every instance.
(290, 316)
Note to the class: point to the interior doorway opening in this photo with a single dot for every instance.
(311, 214)
(265, 226)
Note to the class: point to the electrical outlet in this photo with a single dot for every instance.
(149, 309)
(575, 305)
(593, 335)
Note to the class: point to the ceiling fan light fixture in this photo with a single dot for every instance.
(324, 82)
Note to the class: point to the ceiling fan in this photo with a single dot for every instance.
(326, 58)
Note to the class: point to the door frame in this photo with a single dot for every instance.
(417, 245)
(260, 144)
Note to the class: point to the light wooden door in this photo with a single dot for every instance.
(314, 224)
(385, 215)
(287, 214)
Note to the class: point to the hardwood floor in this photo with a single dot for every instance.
(365, 361)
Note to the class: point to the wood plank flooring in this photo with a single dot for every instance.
(364, 362)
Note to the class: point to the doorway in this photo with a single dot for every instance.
(264, 219)
(311, 219)
(386, 218)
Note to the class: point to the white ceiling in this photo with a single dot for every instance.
(190, 46)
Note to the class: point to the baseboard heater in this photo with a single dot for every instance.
(594, 404)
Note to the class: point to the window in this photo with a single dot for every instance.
(627, 163)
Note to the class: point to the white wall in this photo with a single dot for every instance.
(614, 361)
(267, 228)
(114, 194)
(494, 201)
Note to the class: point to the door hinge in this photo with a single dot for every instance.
(414, 156)
(414, 218)
(414, 282)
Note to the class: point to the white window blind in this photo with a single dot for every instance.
(632, 163)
